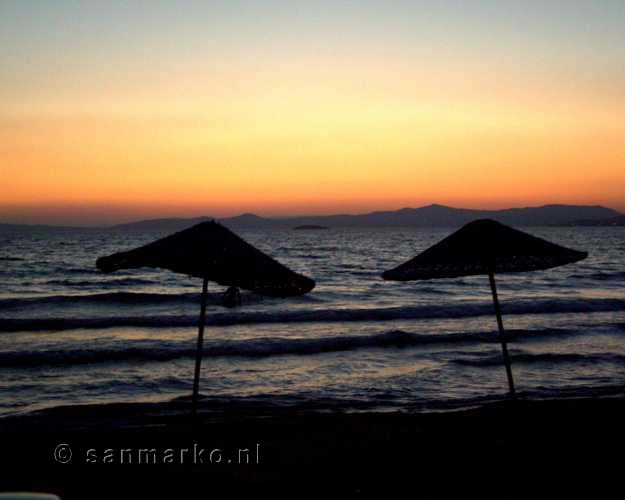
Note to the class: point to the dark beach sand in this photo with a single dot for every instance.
(499, 450)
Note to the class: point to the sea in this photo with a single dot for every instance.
(70, 335)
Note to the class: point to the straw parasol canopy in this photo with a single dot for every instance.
(212, 252)
(485, 247)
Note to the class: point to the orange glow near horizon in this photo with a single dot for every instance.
(305, 131)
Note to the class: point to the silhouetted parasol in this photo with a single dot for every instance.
(214, 253)
(485, 247)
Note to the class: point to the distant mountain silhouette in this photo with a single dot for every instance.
(440, 215)
(430, 215)
(247, 220)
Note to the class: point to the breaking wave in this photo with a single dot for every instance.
(317, 315)
(545, 358)
(155, 351)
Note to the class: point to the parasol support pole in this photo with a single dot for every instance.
(200, 342)
(502, 336)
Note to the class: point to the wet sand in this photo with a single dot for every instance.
(502, 449)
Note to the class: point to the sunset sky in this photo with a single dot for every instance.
(112, 111)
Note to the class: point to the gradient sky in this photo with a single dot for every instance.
(111, 111)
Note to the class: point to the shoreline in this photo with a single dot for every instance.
(293, 449)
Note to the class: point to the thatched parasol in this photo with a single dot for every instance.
(486, 247)
(214, 253)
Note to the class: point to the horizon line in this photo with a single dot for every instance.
(123, 222)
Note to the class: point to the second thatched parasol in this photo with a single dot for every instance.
(486, 247)
(214, 253)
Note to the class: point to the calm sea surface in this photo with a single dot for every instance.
(69, 335)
